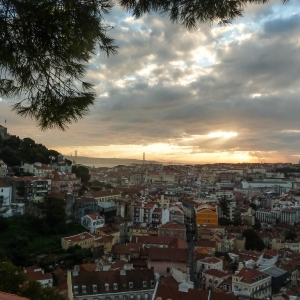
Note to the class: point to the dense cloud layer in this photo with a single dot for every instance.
(171, 86)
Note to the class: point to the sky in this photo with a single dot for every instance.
(215, 94)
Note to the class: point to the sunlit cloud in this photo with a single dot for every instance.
(222, 134)
(220, 93)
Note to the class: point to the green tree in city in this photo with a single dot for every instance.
(223, 203)
(237, 219)
(35, 291)
(55, 211)
(11, 278)
(253, 240)
(4, 224)
(82, 173)
(45, 47)
(290, 235)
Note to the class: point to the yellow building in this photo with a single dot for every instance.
(138, 231)
(206, 217)
(84, 240)
(109, 230)
(105, 241)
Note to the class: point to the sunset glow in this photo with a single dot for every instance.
(223, 134)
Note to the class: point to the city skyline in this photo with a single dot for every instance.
(217, 94)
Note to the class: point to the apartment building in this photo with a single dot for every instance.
(252, 282)
(112, 284)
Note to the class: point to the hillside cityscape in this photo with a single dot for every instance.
(146, 230)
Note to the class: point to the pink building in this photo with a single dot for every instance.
(162, 260)
(64, 182)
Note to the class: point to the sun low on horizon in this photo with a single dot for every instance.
(172, 152)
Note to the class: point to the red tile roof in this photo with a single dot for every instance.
(95, 216)
(247, 274)
(165, 292)
(38, 276)
(215, 273)
(57, 195)
(121, 249)
(164, 254)
(3, 184)
(88, 267)
(6, 296)
(177, 213)
(85, 200)
(173, 225)
(100, 278)
(210, 260)
(79, 237)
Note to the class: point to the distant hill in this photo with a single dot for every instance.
(97, 162)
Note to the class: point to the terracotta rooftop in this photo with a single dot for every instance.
(177, 213)
(123, 249)
(173, 225)
(79, 237)
(103, 239)
(159, 240)
(85, 200)
(38, 276)
(57, 195)
(3, 184)
(210, 260)
(6, 296)
(108, 229)
(165, 292)
(247, 275)
(215, 273)
(95, 216)
(88, 267)
(164, 254)
(103, 282)
(169, 281)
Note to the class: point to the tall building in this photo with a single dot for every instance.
(3, 132)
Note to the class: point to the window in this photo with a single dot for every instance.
(83, 289)
(168, 270)
(115, 286)
(94, 288)
(107, 286)
(152, 283)
(75, 289)
(131, 285)
(144, 284)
